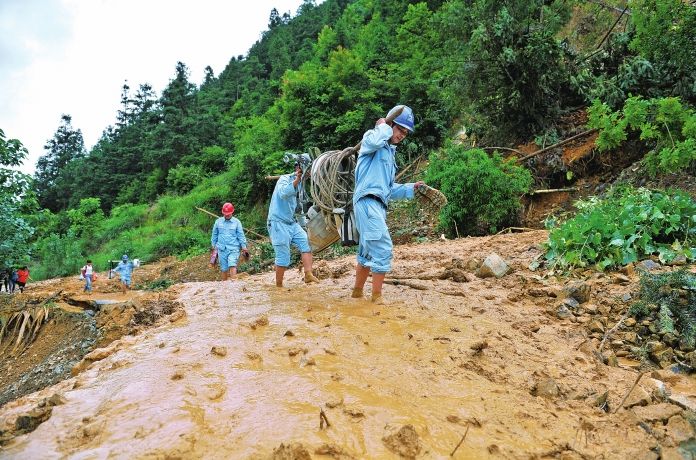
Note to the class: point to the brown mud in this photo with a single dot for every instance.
(483, 368)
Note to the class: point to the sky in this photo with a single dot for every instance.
(73, 56)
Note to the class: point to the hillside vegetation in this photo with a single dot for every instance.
(501, 72)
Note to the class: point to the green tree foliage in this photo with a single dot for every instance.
(15, 198)
(65, 147)
(627, 225)
(483, 191)
(665, 124)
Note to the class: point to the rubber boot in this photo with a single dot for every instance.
(310, 278)
(377, 299)
(357, 293)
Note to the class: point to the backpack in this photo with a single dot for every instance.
(15, 276)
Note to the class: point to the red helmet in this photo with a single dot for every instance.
(227, 209)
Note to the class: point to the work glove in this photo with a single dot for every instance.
(430, 198)
(245, 255)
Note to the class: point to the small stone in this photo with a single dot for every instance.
(405, 442)
(604, 309)
(453, 419)
(649, 265)
(621, 279)
(638, 397)
(679, 260)
(294, 451)
(612, 360)
(334, 402)
(479, 346)
(289, 333)
(546, 388)
(56, 400)
(663, 357)
(580, 291)
(493, 266)
(177, 315)
(294, 351)
(679, 429)
(219, 351)
(657, 412)
(562, 312)
(596, 326)
(630, 322)
(626, 297)
(253, 356)
(590, 308)
(571, 303)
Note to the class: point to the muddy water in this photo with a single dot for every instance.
(163, 394)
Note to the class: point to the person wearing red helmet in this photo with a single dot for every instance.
(228, 238)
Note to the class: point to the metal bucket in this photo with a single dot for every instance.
(321, 232)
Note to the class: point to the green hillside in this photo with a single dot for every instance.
(503, 72)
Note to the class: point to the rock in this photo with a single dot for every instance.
(596, 326)
(663, 357)
(612, 360)
(100, 353)
(579, 291)
(293, 451)
(258, 322)
(621, 279)
(472, 265)
(657, 412)
(629, 270)
(457, 275)
(479, 346)
(56, 400)
(289, 333)
(334, 402)
(294, 351)
(626, 297)
(679, 260)
(604, 309)
(630, 337)
(546, 388)
(404, 442)
(571, 303)
(630, 322)
(638, 397)
(590, 308)
(562, 312)
(672, 453)
(333, 451)
(654, 346)
(253, 356)
(28, 422)
(177, 315)
(679, 429)
(219, 351)
(354, 412)
(670, 340)
(602, 401)
(685, 345)
(649, 265)
(493, 265)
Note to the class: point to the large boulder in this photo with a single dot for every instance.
(493, 266)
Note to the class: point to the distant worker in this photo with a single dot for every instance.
(374, 188)
(87, 273)
(124, 270)
(5, 279)
(228, 238)
(282, 226)
(22, 278)
(14, 277)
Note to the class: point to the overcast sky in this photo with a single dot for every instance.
(73, 56)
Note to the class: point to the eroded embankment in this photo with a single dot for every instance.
(251, 366)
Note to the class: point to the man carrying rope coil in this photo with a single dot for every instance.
(282, 226)
(374, 188)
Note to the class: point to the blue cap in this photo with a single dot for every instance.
(405, 118)
(125, 257)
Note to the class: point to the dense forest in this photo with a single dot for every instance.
(502, 72)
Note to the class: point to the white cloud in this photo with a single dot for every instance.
(73, 56)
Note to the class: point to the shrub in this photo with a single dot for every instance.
(623, 227)
(667, 126)
(673, 295)
(483, 191)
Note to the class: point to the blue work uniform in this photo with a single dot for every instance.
(228, 237)
(282, 227)
(374, 188)
(125, 269)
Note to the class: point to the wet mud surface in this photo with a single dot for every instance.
(453, 363)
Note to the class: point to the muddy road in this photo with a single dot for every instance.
(454, 363)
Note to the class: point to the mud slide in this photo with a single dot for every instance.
(454, 365)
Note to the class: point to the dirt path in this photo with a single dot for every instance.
(251, 366)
